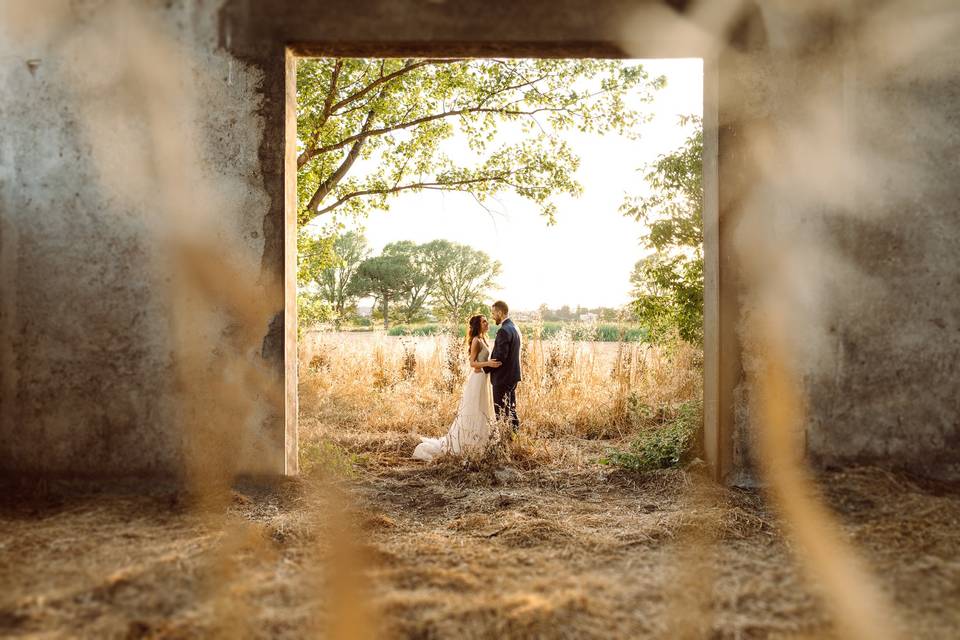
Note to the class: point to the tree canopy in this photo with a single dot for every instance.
(396, 114)
(328, 264)
(462, 275)
(406, 280)
(420, 280)
(668, 283)
(385, 278)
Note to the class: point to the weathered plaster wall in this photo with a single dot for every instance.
(88, 365)
(845, 210)
(888, 389)
(836, 153)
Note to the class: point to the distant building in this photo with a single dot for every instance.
(365, 312)
(589, 318)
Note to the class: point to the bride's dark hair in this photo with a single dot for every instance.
(473, 329)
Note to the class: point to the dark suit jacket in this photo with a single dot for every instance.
(506, 349)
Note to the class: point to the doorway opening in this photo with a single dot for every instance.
(475, 158)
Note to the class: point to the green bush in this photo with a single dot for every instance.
(662, 447)
(327, 458)
(586, 333)
(430, 330)
(312, 310)
(548, 330)
(615, 333)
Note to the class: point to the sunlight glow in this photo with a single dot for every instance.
(586, 258)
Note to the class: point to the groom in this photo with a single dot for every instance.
(504, 379)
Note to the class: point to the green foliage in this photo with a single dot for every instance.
(384, 277)
(314, 254)
(328, 264)
(422, 330)
(404, 279)
(420, 281)
(664, 446)
(548, 330)
(566, 314)
(462, 276)
(312, 310)
(327, 458)
(395, 114)
(669, 296)
(668, 283)
(619, 333)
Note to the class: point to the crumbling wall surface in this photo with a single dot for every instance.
(838, 135)
(87, 363)
(850, 228)
(891, 392)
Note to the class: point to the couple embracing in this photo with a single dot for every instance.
(490, 393)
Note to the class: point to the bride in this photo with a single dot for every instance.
(473, 424)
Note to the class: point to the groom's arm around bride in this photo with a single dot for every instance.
(500, 352)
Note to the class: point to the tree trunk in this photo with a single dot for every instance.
(386, 317)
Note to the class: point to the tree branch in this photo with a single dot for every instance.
(331, 92)
(437, 186)
(325, 114)
(310, 154)
(327, 185)
(313, 151)
(407, 68)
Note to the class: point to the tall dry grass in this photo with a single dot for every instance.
(569, 389)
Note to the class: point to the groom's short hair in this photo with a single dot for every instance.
(501, 306)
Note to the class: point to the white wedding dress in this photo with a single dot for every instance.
(473, 425)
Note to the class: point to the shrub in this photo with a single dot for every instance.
(661, 447)
(429, 330)
(618, 333)
(577, 332)
(327, 458)
(312, 310)
(408, 365)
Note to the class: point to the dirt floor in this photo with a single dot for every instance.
(560, 549)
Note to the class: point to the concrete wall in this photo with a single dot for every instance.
(88, 295)
(887, 388)
(833, 152)
(845, 212)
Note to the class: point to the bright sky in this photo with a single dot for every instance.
(587, 257)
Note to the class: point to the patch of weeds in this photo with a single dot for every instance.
(641, 414)
(662, 447)
(408, 365)
(328, 458)
(320, 362)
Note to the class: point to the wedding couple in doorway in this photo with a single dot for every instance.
(490, 392)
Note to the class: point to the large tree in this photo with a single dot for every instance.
(412, 301)
(312, 252)
(394, 115)
(668, 283)
(384, 277)
(331, 263)
(463, 276)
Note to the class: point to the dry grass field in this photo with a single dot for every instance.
(597, 390)
(536, 540)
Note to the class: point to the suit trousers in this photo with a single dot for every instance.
(505, 404)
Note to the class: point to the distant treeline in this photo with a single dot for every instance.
(548, 330)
